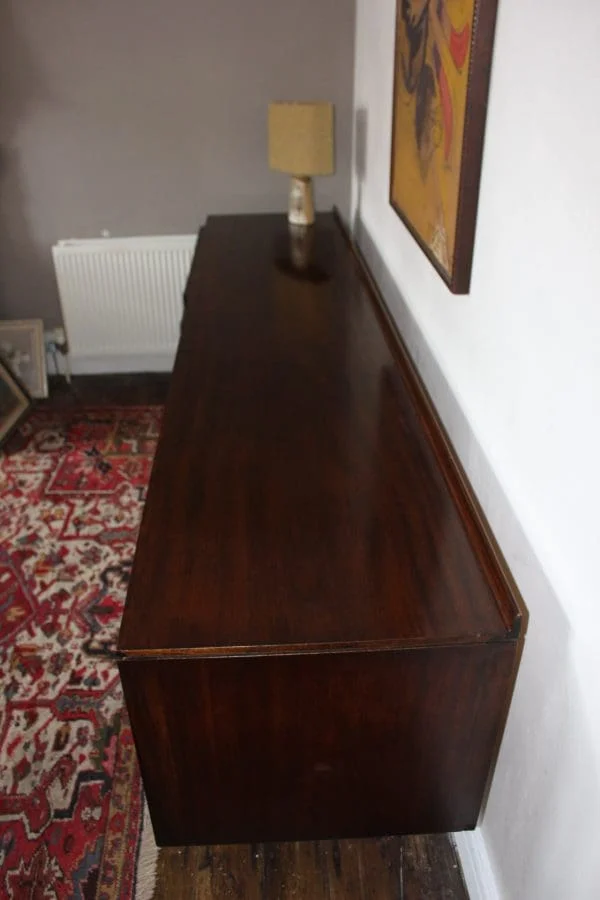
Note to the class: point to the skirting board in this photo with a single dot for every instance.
(116, 365)
(476, 866)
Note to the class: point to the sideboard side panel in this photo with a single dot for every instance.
(317, 746)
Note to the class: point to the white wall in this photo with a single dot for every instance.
(514, 369)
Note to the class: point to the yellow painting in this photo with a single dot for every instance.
(433, 48)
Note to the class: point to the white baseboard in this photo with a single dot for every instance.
(109, 365)
(476, 866)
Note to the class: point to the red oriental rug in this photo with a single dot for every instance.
(72, 817)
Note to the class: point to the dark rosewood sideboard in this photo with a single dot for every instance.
(320, 637)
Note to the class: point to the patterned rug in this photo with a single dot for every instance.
(72, 489)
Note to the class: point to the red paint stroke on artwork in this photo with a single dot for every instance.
(459, 45)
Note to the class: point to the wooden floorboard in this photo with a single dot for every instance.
(139, 389)
(422, 867)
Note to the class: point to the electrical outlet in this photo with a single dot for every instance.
(55, 337)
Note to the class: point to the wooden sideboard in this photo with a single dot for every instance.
(320, 637)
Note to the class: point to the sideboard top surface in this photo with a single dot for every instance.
(296, 500)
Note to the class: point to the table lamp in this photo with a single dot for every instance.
(301, 145)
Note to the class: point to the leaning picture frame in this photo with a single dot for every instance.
(22, 348)
(441, 84)
(14, 402)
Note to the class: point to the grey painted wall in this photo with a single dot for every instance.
(144, 116)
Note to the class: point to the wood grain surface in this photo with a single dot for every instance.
(300, 747)
(296, 499)
(320, 637)
(421, 867)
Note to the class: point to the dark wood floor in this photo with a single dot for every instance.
(423, 867)
(144, 389)
(408, 868)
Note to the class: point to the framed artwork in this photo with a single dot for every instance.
(14, 401)
(22, 349)
(442, 73)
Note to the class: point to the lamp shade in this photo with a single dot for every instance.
(301, 138)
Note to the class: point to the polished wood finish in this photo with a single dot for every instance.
(320, 637)
(294, 489)
(317, 745)
(394, 868)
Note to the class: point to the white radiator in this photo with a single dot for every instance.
(122, 300)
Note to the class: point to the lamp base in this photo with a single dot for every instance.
(302, 208)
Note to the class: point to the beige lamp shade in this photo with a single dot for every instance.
(301, 138)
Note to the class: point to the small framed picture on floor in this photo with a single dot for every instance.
(22, 349)
(14, 402)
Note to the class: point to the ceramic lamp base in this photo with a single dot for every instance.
(302, 208)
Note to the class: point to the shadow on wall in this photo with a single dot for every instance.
(543, 807)
(360, 159)
(24, 265)
(542, 817)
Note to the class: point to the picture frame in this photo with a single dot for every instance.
(15, 402)
(22, 348)
(443, 57)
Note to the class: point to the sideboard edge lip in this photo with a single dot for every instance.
(331, 649)
(507, 597)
